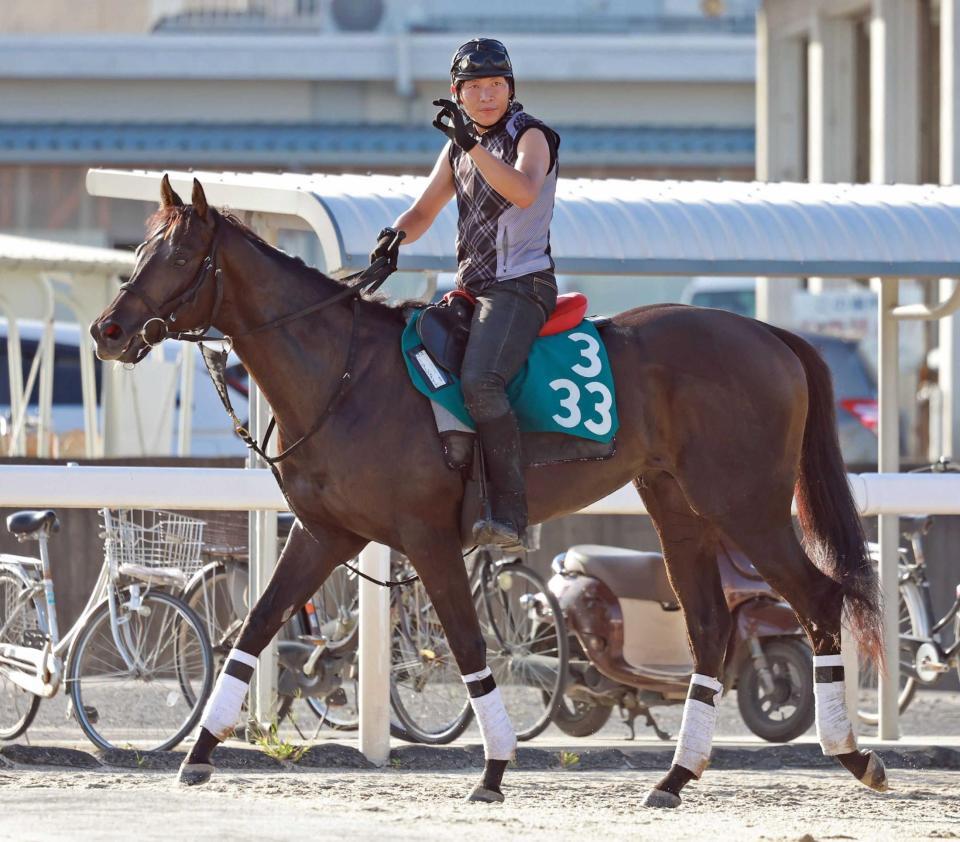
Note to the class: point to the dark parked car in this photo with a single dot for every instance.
(855, 390)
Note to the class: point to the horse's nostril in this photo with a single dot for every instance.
(112, 331)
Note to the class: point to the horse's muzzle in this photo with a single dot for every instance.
(115, 343)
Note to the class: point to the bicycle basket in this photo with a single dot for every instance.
(153, 539)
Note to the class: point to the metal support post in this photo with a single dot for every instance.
(374, 655)
(187, 360)
(263, 558)
(263, 552)
(888, 525)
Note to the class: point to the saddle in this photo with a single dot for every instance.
(444, 327)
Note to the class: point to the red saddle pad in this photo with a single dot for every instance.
(569, 312)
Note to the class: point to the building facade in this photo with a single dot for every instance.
(651, 88)
(866, 91)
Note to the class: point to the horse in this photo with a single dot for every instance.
(723, 419)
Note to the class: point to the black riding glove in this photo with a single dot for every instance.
(388, 246)
(456, 129)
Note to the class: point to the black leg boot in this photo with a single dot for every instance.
(507, 525)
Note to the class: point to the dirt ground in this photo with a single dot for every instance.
(798, 805)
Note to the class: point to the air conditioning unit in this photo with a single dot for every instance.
(355, 15)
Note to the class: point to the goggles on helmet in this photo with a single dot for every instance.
(479, 59)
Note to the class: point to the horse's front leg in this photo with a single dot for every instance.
(437, 559)
(302, 568)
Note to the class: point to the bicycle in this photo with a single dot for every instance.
(923, 655)
(137, 663)
(318, 650)
(527, 652)
(318, 658)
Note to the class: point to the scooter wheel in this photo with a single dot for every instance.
(788, 711)
(580, 719)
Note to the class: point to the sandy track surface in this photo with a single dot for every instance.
(565, 805)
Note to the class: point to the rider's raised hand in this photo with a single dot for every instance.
(453, 124)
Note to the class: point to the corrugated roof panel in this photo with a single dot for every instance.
(28, 253)
(637, 227)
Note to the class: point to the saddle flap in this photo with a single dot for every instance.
(444, 330)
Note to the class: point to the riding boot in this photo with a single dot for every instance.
(507, 523)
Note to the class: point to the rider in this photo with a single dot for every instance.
(501, 164)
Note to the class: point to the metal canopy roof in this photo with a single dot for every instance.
(49, 255)
(621, 226)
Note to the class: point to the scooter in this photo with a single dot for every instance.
(629, 649)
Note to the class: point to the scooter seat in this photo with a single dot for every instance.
(628, 573)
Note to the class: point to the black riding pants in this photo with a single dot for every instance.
(507, 318)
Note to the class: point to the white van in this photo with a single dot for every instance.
(211, 429)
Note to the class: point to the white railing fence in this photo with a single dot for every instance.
(239, 489)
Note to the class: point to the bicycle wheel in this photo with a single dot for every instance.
(427, 693)
(152, 698)
(18, 625)
(220, 598)
(527, 648)
(334, 613)
(910, 612)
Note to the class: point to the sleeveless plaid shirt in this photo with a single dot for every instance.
(496, 239)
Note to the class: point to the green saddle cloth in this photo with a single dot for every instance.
(566, 385)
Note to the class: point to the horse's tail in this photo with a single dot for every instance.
(832, 530)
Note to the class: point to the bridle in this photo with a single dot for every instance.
(166, 314)
(365, 281)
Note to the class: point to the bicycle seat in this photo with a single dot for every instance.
(630, 574)
(32, 522)
(913, 524)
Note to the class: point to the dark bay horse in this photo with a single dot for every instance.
(723, 419)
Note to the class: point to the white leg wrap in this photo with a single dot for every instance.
(499, 738)
(834, 729)
(698, 724)
(223, 708)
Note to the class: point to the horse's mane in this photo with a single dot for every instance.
(167, 219)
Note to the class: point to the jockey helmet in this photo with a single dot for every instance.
(480, 58)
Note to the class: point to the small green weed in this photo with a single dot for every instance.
(273, 745)
(569, 759)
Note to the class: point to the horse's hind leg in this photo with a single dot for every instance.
(690, 551)
(437, 559)
(303, 566)
(818, 602)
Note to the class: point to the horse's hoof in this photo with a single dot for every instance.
(485, 796)
(194, 774)
(661, 798)
(875, 776)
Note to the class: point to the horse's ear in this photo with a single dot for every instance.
(168, 196)
(199, 200)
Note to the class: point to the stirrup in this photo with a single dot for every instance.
(499, 533)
